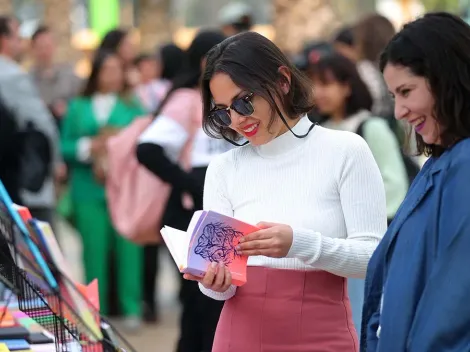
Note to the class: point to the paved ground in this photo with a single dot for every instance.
(156, 338)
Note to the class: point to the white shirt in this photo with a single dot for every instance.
(326, 186)
(172, 136)
(103, 105)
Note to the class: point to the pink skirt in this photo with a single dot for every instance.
(286, 311)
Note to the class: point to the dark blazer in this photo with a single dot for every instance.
(421, 269)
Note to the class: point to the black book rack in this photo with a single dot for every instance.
(46, 304)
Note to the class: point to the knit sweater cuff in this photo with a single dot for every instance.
(219, 296)
(306, 245)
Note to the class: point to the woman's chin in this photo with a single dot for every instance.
(254, 141)
(430, 139)
(259, 140)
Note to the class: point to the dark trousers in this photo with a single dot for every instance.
(198, 320)
(200, 314)
(151, 270)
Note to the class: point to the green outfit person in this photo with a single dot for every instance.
(86, 118)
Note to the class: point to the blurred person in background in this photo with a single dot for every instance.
(170, 61)
(10, 152)
(150, 90)
(309, 55)
(176, 149)
(371, 35)
(40, 157)
(362, 44)
(343, 43)
(235, 17)
(344, 102)
(121, 43)
(103, 108)
(56, 83)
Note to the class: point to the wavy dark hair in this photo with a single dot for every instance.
(252, 62)
(437, 48)
(342, 70)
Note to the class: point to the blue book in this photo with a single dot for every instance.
(5, 198)
(16, 344)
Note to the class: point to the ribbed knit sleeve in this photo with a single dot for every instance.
(362, 197)
(215, 198)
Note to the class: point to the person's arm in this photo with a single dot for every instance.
(442, 318)
(24, 98)
(386, 151)
(75, 148)
(215, 198)
(159, 149)
(362, 197)
(160, 146)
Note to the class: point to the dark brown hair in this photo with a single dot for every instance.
(113, 39)
(371, 35)
(5, 29)
(39, 31)
(91, 86)
(437, 48)
(252, 62)
(342, 70)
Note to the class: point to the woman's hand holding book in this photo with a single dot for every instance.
(273, 240)
(217, 277)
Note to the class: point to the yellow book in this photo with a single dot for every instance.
(4, 348)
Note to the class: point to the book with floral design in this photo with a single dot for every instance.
(211, 237)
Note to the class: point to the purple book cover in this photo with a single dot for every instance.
(214, 239)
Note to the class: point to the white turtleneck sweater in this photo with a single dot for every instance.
(326, 186)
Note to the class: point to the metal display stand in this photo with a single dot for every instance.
(46, 305)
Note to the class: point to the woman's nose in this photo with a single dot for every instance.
(236, 118)
(401, 111)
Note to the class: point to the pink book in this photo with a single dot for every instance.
(211, 237)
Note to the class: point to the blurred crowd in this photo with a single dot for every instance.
(55, 127)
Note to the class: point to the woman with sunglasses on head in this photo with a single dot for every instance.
(176, 149)
(417, 286)
(316, 195)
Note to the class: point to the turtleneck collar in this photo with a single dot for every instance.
(287, 141)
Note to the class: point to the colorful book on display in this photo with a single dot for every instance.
(36, 266)
(42, 236)
(73, 294)
(211, 237)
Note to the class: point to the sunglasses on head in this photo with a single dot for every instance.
(242, 106)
